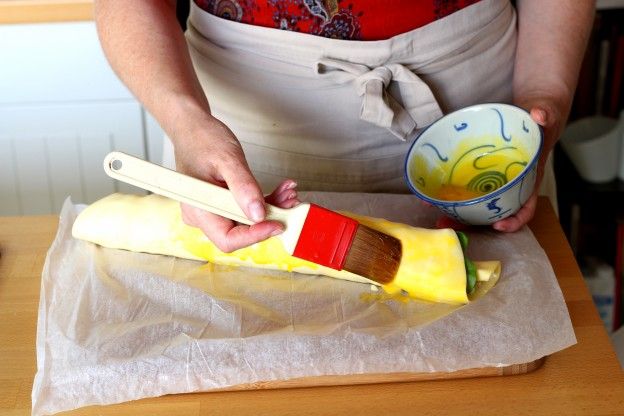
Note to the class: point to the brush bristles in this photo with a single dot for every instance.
(374, 255)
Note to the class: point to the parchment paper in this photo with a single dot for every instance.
(115, 326)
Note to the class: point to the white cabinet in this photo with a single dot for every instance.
(61, 110)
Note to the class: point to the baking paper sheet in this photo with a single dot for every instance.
(116, 326)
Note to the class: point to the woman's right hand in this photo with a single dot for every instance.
(145, 45)
(213, 154)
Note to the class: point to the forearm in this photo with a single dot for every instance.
(552, 36)
(146, 47)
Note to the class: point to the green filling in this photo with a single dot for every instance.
(471, 276)
(471, 269)
(463, 240)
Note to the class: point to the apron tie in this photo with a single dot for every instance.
(379, 107)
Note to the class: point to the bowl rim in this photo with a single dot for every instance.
(488, 196)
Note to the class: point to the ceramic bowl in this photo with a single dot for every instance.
(478, 164)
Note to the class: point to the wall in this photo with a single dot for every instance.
(61, 110)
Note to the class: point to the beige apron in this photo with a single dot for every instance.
(340, 115)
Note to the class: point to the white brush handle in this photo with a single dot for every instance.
(200, 194)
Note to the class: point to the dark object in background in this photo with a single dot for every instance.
(183, 8)
(600, 89)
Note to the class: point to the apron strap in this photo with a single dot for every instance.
(419, 109)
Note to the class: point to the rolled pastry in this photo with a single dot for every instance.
(432, 265)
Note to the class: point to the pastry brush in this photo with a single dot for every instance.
(311, 232)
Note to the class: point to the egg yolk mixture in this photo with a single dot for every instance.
(474, 170)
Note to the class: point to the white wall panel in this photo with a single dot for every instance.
(33, 175)
(54, 151)
(55, 62)
(66, 178)
(62, 108)
(9, 198)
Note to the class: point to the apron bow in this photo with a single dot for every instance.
(419, 107)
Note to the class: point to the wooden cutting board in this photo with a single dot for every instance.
(353, 379)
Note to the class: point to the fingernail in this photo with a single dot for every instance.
(256, 211)
(286, 196)
(292, 185)
(277, 231)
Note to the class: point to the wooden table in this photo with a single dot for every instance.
(45, 11)
(583, 379)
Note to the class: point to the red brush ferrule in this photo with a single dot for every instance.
(326, 237)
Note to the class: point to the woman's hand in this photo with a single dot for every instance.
(213, 154)
(145, 45)
(551, 114)
(552, 36)
(228, 235)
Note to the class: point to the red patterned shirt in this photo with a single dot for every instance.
(340, 19)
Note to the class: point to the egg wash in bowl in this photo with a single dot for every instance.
(477, 164)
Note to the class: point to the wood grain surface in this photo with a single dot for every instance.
(376, 378)
(45, 11)
(583, 379)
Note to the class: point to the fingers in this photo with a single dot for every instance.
(540, 116)
(227, 235)
(550, 114)
(240, 236)
(544, 111)
(285, 195)
(508, 225)
(520, 218)
(216, 156)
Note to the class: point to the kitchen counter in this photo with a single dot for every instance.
(583, 379)
(45, 11)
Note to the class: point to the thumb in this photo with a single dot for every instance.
(540, 116)
(245, 189)
(542, 110)
(546, 113)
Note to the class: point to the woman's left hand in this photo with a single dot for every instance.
(551, 115)
(552, 36)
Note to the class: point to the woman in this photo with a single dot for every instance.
(334, 114)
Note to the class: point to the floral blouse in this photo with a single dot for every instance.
(339, 19)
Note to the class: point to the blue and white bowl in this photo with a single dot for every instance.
(478, 164)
